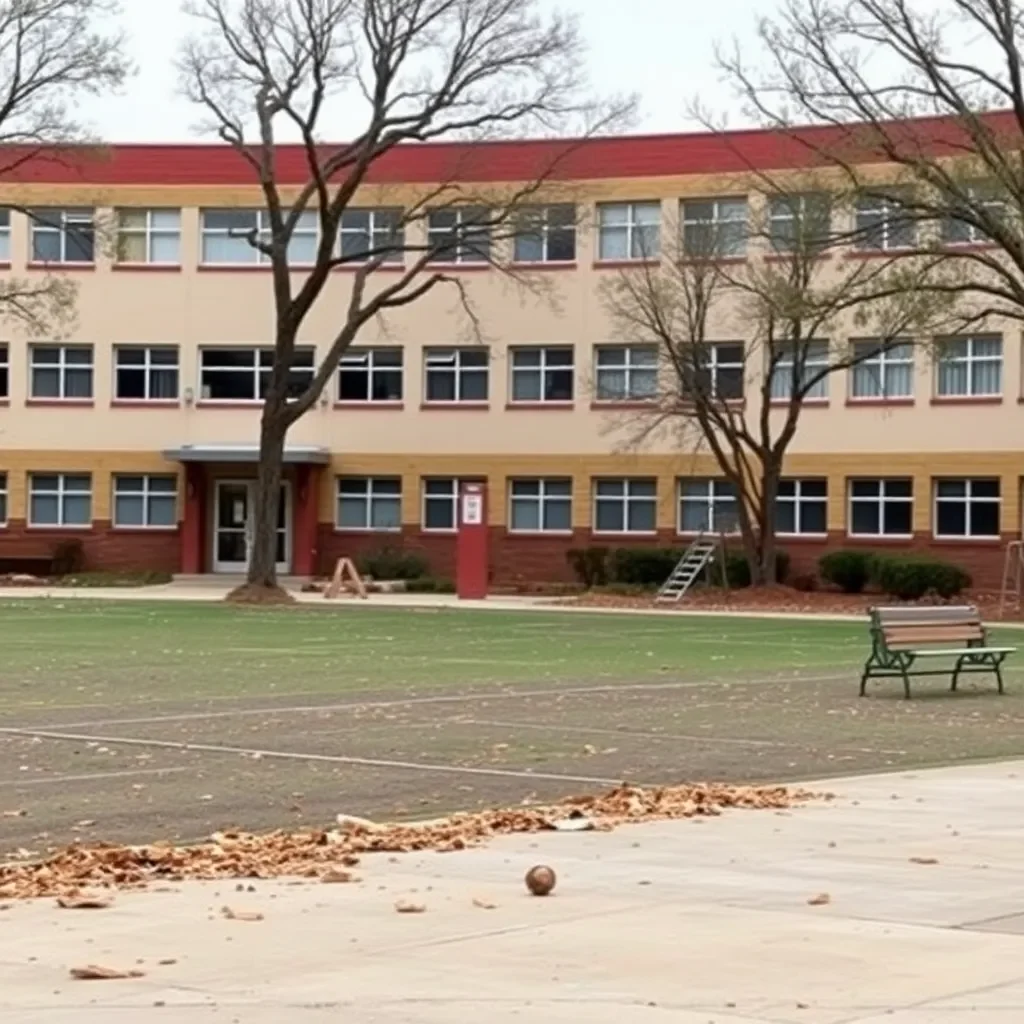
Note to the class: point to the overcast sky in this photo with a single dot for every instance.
(661, 49)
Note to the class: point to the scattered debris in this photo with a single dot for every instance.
(167, 963)
(408, 907)
(241, 915)
(576, 822)
(821, 900)
(93, 972)
(540, 880)
(20, 813)
(336, 875)
(484, 904)
(84, 901)
(924, 860)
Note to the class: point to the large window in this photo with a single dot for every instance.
(625, 506)
(461, 234)
(370, 375)
(441, 503)
(60, 372)
(714, 370)
(626, 372)
(369, 503)
(963, 230)
(3, 499)
(629, 231)
(799, 365)
(146, 374)
(149, 236)
(371, 233)
(800, 223)
(540, 506)
(883, 223)
(967, 508)
(243, 374)
(542, 374)
(146, 502)
(802, 507)
(971, 366)
(5, 372)
(62, 235)
(881, 508)
(715, 227)
(707, 506)
(882, 371)
(456, 374)
(59, 499)
(227, 237)
(546, 234)
(5, 235)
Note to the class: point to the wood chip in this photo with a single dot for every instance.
(484, 904)
(821, 900)
(93, 972)
(241, 915)
(166, 963)
(408, 907)
(84, 901)
(924, 860)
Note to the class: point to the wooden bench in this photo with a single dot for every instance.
(900, 636)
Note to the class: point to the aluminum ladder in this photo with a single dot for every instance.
(688, 568)
(1013, 575)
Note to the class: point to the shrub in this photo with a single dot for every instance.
(850, 571)
(393, 564)
(429, 585)
(590, 565)
(68, 557)
(643, 567)
(909, 579)
(118, 578)
(737, 569)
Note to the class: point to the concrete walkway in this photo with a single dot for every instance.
(676, 922)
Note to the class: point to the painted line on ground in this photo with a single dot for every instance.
(95, 776)
(378, 705)
(287, 755)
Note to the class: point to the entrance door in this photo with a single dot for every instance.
(234, 524)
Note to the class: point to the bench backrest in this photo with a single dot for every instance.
(916, 627)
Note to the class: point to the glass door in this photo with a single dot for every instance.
(234, 523)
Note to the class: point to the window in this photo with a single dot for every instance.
(369, 503)
(540, 506)
(62, 236)
(800, 223)
(883, 223)
(542, 374)
(970, 366)
(243, 374)
(370, 233)
(626, 373)
(714, 370)
(882, 372)
(966, 508)
(441, 503)
(986, 200)
(625, 506)
(370, 375)
(799, 364)
(456, 374)
(3, 499)
(146, 502)
(59, 499)
(461, 234)
(5, 372)
(149, 236)
(715, 227)
(629, 231)
(226, 237)
(146, 374)
(881, 508)
(5, 236)
(802, 507)
(62, 372)
(707, 506)
(546, 234)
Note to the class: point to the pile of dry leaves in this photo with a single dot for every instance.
(317, 853)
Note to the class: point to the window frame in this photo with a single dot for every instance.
(541, 227)
(453, 498)
(148, 368)
(148, 233)
(970, 360)
(61, 493)
(781, 211)
(543, 500)
(798, 500)
(544, 371)
(61, 366)
(370, 353)
(257, 370)
(369, 496)
(263, 234)
(5, 498)
(969, 500)
(69, 216)
(628, 370)
(884, 358)
(713, 366)
(712, 500)
(880, 500)
(994, 204)
(432, 357)
(146, 494)
(468, 250)
(692, 223)
(633, 227)
(5, 372)
(5, 236)
(392, 257)
(626, 500)
(885, 207)
(819, 393)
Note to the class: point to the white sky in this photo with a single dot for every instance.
(661, 49)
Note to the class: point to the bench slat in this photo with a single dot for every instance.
(943, 634)
(953, 652)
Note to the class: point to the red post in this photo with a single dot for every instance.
(471, 544)
(307, 502)
(193, 519)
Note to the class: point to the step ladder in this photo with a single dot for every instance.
(699, 554)
(1013, 576)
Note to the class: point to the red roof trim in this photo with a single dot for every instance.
(637, 156)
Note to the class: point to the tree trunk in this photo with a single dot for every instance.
(263, 554)
(771, 472)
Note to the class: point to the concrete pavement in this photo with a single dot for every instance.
(684, 922)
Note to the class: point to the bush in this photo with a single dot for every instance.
(429, 585)
(643, 567)
(68, 557)
(118, 578)
(590, 565)
(393, 564)
(850, 571)
(737, 569)
(910, 579)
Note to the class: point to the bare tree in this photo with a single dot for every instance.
(52, 54)
(411, 71)
(746, 343)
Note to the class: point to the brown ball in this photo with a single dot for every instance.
(540, 880)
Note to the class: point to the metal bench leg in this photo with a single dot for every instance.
(956, 673)
(864, 679)
(997, 668)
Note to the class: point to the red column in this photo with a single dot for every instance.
(193, 519)
(471, 544)
(307, 506)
